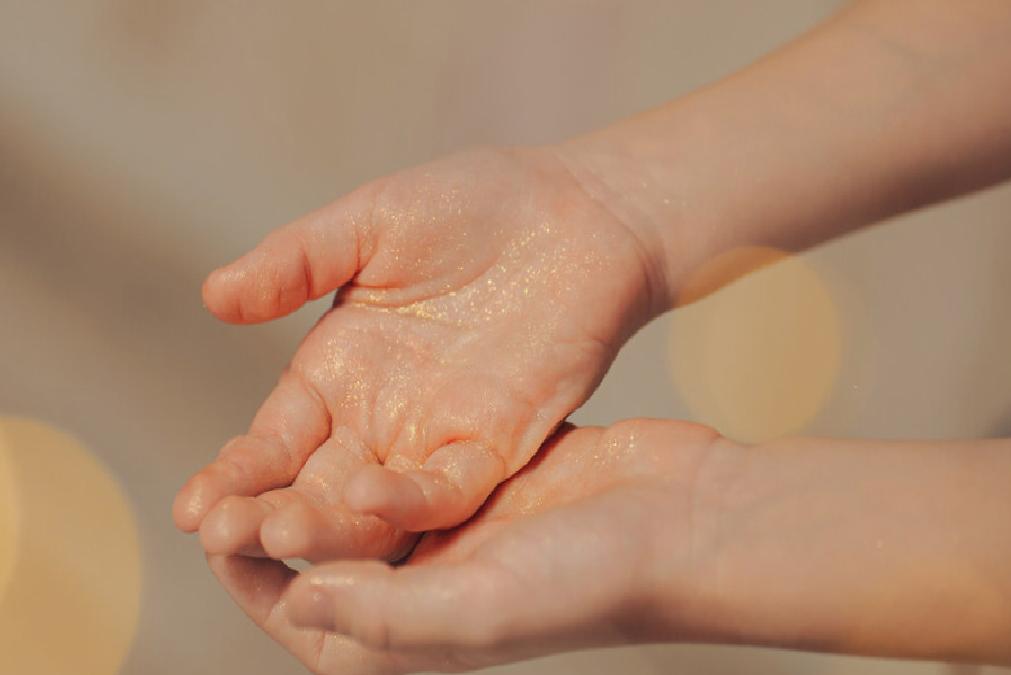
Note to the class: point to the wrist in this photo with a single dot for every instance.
(615, 182)
(685, 578)
(860, 547)
(663, 174)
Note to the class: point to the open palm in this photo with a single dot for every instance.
(481, 299)
(563, 555)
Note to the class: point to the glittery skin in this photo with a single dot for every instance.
(579, 464)
(573, 534)
(491, 306)
(491, 295)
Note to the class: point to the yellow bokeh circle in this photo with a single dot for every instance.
(69, 545)
(756, 351)
(8, 518)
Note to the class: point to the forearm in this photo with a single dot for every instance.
(862, 547)
(887, 107)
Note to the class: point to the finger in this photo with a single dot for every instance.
(301, 261)
(426, 607)
(258, 585)
(232, 527)
(315, 532)
(310, 519)
(285, 524)
(453, 483)
(290, 424)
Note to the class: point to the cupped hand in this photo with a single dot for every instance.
(578, 549)
(481, 298)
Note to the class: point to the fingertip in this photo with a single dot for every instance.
(220, 294)
(450, 487)
(366, 489)
(256, 584)
(215, 530)
(288, 532)
(457, 479)
(208, 291)
(182, 515)
(389, 609)
(377, 491)
(191, 504)
(269, 282)
(209, 288)
(232, 527)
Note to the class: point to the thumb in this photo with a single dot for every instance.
(301, 261)
(452, 484)
(389, 608)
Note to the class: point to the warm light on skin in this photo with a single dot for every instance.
(758, 358)
(72, 598)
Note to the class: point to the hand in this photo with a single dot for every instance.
(663, 531)
(481, 300)
(578, 549)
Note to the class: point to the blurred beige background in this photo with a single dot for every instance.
(143, 142)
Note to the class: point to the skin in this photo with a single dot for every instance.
(426, 386)
(889, 106)
(655, 530)
(482, 298)
(475, 596)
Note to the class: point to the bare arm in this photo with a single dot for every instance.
(661, 531)
(896, 549)
(544, 261)
(864, 547)
(889, 106)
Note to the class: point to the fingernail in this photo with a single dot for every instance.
(313, 607)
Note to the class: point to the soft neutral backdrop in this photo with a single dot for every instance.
(143, 142)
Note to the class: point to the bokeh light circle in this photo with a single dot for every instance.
(72, 597)
(8, 518)
(758, 352)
